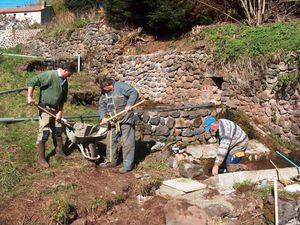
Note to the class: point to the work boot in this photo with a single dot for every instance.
(106, 164)
(59, 149)
(123, 171)
(41, 155)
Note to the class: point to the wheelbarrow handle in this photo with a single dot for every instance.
(124, 111)
(62, 121)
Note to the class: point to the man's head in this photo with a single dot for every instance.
(68, 70)
(211, 124)
(105, 83)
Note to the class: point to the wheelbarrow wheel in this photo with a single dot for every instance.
(92, 150)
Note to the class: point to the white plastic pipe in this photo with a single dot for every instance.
(78, 63)
(276, 200)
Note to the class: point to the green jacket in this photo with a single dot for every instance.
(51, 91)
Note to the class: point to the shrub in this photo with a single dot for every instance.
(166, 16)
(78, 6)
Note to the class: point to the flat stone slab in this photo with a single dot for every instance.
(184, 184)
(225, 181)
(209, 151)
(257, 148)
(168, 192)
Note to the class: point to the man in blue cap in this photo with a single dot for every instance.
(233, 142)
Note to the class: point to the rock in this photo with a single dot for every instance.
(157, 147)
(142, 199)
(170, 123)
(162, 131)
(282, 66)
(217, 210)
(175, 114)
(179, 212)
(182, 123)
(81, 221)
(145, 117)
(257, 148)
(154, 120)
(202, 151)
(187, 132)
(276, 129)
(287, 210)
(190, 170)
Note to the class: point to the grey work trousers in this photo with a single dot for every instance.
(127, 135)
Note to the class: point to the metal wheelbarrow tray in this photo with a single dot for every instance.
(85, 136)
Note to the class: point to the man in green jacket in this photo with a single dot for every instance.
(53, 86)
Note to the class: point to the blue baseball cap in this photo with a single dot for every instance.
(208, 121)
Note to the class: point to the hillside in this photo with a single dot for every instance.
(76, 190)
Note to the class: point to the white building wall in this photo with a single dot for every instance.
(33, 17)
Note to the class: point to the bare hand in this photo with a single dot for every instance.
(58, 116)
(215, 170)
(30, 101)
(104, 121)
(127, 108)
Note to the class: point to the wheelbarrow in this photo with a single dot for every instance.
(85, 136)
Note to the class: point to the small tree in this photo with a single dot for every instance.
(79, 6)
(257, 11)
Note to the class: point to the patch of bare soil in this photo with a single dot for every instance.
(150, 212)
(100, 196)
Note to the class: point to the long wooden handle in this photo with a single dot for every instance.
(62, 121)
(124, 111)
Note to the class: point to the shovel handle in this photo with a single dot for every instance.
(62, 121)
(124, 111)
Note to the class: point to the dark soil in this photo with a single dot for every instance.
(117, 192)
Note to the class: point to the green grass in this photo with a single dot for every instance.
(245, 183)
(61, 210)
(59, 189)
(18, 152)
(95, 203)
(234, 41)
(263, 193)
(69, 26)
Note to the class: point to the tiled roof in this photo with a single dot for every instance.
(33, 8)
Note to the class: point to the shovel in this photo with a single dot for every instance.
(124, 111)
(62, 121)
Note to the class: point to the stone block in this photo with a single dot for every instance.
(190, 170)
(154, 120)
(184, 184)
(170, 123)
(180, 212)
(162, 131)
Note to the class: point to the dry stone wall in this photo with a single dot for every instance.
(10, 38)
(173, 78)
(12, 32)
(184, 78)
(176, 125)
(85, 42)
(273, 108)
